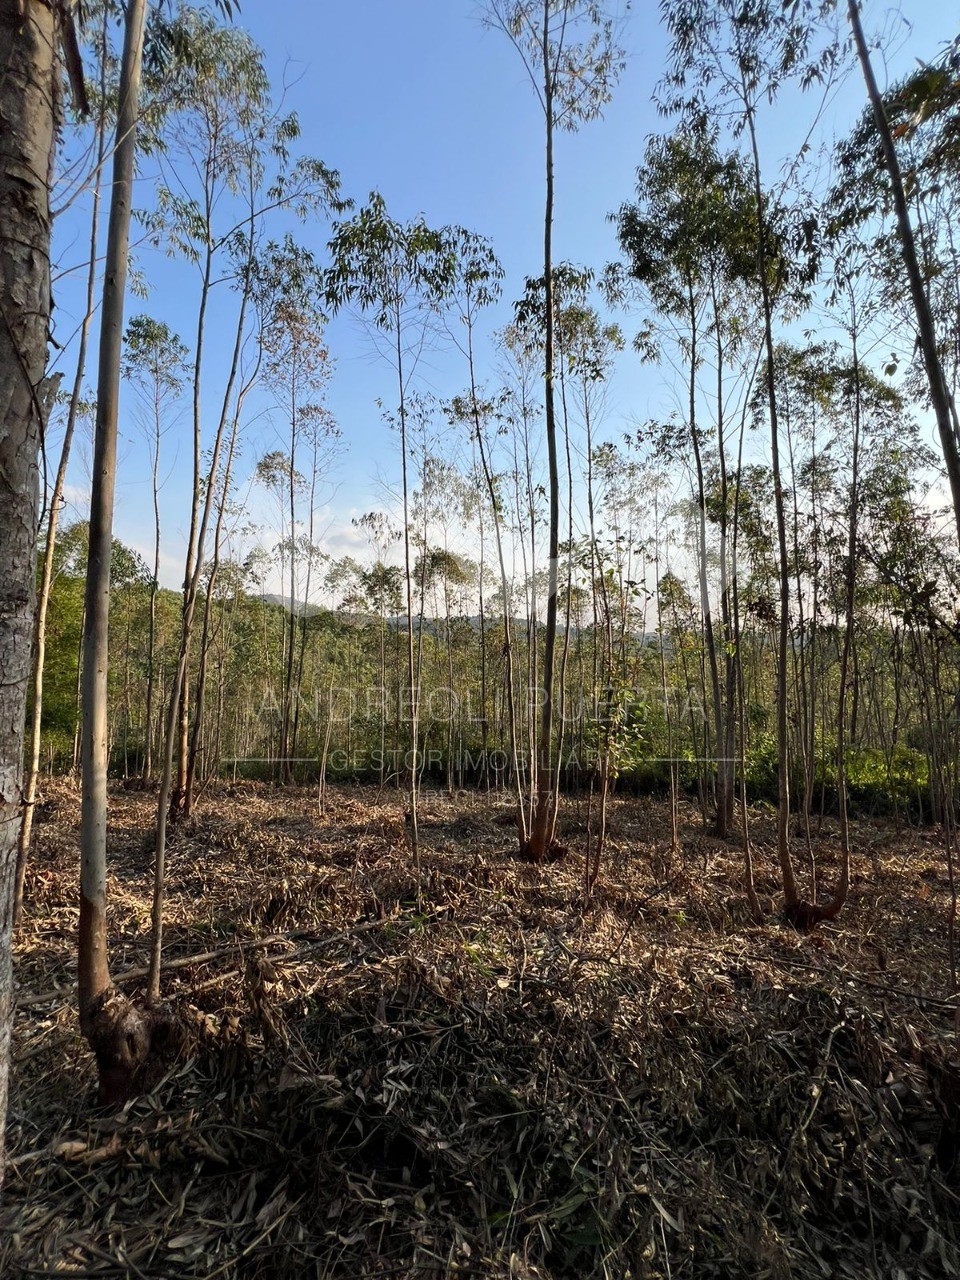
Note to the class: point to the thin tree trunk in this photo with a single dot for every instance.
(505, 602)
(408, 575)
(791, 896)
(147, 773)
(174, 736)
(118, 1035)
(484, 720)
(545, 814)
(181, 721)
(561, 679)
(943, 406)
(720, 815)
(835, 905)
(308, 583)
(286, 745)
(77, 698)
(206, 640)
(56, 502)
(750, 888)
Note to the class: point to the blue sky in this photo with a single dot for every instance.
(420, 101)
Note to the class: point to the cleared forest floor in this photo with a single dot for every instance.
(471, 1075)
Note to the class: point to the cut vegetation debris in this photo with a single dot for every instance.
(470, 1075)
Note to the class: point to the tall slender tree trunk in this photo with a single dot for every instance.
(448, 638)
(791, 895)
(482, 644)
(290, 617)
(836, 903)
(730, 635)
(29, 105)
(750, 888)
(175, 729)
(504, 598)
(77, 695)
(720, 815)
(118, 1035)
(147, 773)
(665, 691)
(545, 814)
(602, 662)
(307, 586)
(943, 406)
(206, 628)
(800, 652)
(53, 519)
(383, 689)
(533, 647)
(412, 683)
(180, 723)
(565, 648)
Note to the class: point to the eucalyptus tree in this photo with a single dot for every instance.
(584, 350)
(30, 37)
(657, 482)
(156, 365)
(399, 275)
(570, 51)
(296, 371)
(929, 95)
(521, 410)
(479, 286)
(807, 388)
(221, 482)
(439, 503)
(474, 514)
(240, 149)
(743, 57)
(588, 346)
(485, 418)
(221, 131)
(277, 474)
(382, 589)
(237, 149)
(427, 468)
(56, 496)
(616, 486)
(587, 349)
(687, 240)
(30, 100)
(118, 1033)
(876, 416)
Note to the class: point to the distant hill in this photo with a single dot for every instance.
(431, 626)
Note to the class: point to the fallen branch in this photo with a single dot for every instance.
(205, 957)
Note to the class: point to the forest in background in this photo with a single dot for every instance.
(727, 607)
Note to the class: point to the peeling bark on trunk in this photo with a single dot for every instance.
(29, 98)
(53, 519)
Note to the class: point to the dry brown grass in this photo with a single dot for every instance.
(471, 1075)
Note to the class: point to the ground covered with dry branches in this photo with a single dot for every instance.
(471, 1073)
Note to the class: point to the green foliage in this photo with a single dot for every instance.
(880, 782)
(692, 227)
(384, 267)
(571, 52)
